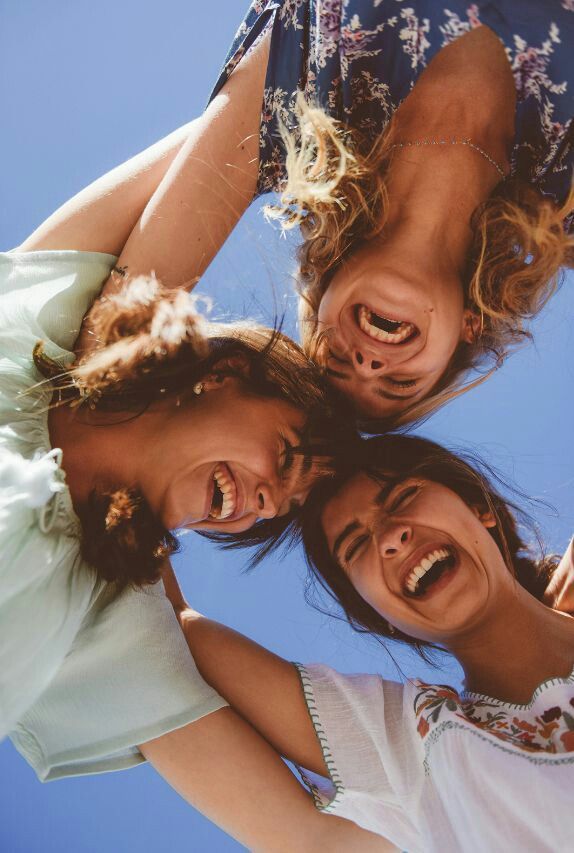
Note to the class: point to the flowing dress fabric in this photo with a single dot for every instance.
(360, 59)
(86, 674)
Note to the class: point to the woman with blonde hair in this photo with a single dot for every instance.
(429, 164)
(428, 161)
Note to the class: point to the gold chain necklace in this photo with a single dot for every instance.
(453, 141)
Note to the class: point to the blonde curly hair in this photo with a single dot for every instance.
(336, 193)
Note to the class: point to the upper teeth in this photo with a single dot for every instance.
(425, 564)
(404, 331)
(229, 491)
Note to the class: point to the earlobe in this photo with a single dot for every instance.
(486, 517)
(471, 327)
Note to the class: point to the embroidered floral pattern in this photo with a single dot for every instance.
(538, 727)
(360, 59)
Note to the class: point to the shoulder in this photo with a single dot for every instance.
(46, 294)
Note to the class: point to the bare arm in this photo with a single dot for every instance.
(263, 687)
(102, 216)
(169, 208)
(223, 768)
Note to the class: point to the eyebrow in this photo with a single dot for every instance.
(304, 439)
(342, 536)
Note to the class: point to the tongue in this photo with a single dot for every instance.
(217, 501)
(384, 324)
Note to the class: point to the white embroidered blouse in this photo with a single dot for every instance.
(434, 770)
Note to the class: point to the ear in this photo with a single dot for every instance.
(471, 327)
(485, 516)
(226, 370)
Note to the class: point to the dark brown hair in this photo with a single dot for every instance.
(400, 457)
(153, 345)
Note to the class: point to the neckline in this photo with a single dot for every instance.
(470, 696)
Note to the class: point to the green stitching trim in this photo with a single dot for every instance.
(468, 696)
(307, 685)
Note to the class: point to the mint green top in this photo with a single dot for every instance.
(86, 673)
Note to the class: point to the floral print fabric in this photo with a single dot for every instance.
(545, 725)
(360, 59)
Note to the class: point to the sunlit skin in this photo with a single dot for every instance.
(475, 608)
(414, 272)
(170, 453)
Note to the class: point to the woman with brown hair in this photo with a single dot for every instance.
(152, 420)
(417, 546)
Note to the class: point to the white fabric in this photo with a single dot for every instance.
(433, 770)
(85, 674)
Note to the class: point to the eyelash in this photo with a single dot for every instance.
(354, 547)
(404, 383)
(402, 497)
(288, 457)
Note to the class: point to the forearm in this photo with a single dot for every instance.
(261, 686)
(228, 772)
(101, 217)
(209, 185)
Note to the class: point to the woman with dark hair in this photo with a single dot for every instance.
(417, 546)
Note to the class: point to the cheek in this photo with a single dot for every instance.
(332, 303)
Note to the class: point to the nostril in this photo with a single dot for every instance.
(404, 536)
(260, 500)
(359, 358)
(375, 365)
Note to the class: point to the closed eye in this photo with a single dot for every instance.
(288, 457)
(354, 547)
(403, 497)
(401, 383)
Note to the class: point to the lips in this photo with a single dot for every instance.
(384, 329)
(225, 495)
(429, 569)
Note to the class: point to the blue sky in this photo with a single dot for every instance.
(84, 86)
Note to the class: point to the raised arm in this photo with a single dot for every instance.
(171, 207)
(227, 771)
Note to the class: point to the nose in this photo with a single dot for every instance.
(366, 365)
(267, 501)
(393, 538)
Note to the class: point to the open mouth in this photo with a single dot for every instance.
(429, 571)
(224, 500)
(384, 329)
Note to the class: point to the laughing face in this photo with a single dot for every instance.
(224, 459)
(393, 325)
(417, 554)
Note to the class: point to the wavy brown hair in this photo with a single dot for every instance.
(153, 345)
(395, 458)
(336, 192)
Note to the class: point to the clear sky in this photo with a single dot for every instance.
(85, 85)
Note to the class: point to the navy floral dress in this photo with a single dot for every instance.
(360, 59)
